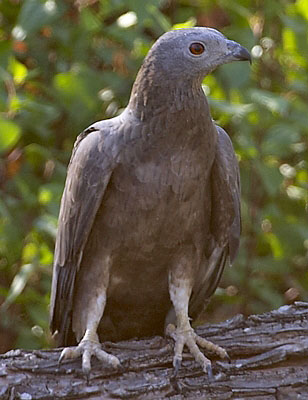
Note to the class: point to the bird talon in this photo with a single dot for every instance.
(86, 371)
(187, 337)
(87, 349)
(86, 361)
(176, 365)
(68, 352)
(171, 331)
(209, 372)
(61, 358)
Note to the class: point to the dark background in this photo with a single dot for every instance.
(66, 64)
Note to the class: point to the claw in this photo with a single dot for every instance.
(86, 362)
(69, 352)
(210, 372)
(176, 365)
(61, 358)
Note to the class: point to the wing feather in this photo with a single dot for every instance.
(225, 226)
(88, 175)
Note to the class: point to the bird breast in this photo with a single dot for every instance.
(159, 188)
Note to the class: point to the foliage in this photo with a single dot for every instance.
(64, 65)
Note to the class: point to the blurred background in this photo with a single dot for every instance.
(65, 64)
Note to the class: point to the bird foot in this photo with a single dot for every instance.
(189, 338)
(86, 349)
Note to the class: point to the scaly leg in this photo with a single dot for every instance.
(88, 310)
(180, 288)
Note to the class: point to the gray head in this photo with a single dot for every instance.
(194, 52)
(176, 65)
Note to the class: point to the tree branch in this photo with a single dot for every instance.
(268, 352)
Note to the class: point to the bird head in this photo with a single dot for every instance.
(194, 52)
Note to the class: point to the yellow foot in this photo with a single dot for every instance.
(88, 348)
(189, 338)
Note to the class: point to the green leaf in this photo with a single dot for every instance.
(18, 284)
(18, 70)
(275, 245)
(271, 178)
(35, 14)
(273, 102)
(238, 110)
(10, 133)
(235, 75)
(278, 139)
(46, 255)
(5, 53)
(190, 23)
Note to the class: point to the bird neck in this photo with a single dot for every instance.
(153, 94)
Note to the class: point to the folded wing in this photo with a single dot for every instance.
(225, 226)
(87, 179)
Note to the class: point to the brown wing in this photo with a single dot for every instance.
(88, 175)
(225, 227)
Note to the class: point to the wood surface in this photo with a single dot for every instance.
(269, 361)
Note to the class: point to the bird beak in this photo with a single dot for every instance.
(238, 52)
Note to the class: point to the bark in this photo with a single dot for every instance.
(268, 362)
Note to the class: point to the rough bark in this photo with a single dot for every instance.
(268, 361)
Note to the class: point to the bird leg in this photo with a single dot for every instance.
(88, 312)
(180, 289)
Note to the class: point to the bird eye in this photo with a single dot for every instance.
(196, 48)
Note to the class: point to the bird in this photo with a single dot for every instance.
(150, 212)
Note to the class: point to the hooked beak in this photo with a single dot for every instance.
(238, 52)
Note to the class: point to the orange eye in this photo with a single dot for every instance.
(196, 48)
